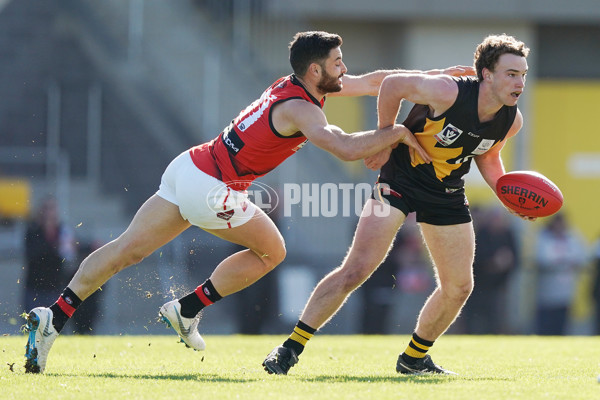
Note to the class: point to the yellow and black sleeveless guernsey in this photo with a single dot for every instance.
(452, 139)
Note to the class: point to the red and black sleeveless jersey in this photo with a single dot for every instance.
(251, 146)
(451, 139)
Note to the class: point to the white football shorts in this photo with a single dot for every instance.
(202, 199)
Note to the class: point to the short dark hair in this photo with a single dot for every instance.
(309, 47)
(489, 51)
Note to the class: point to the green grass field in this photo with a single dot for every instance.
(332, 367)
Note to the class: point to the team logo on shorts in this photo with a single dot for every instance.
(448, 135)
(226, 215)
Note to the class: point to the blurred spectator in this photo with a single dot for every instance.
(596, 285)
(51, 252)
(560, 257)
(495, 259)
(49, 248)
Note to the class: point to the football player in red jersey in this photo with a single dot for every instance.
(287, 114)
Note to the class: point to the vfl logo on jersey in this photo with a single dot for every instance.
(448, 135)
(301, 145)
(483, 146)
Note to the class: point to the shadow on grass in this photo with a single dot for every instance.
(419, 379)
(170, 377)
(203, 377)
(379, 379)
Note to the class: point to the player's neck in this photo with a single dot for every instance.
(487, 104)
(311, 88)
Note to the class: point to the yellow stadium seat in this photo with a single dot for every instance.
(15, 195)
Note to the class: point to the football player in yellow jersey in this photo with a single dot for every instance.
(455, 120)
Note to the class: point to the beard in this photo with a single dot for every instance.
(329, 83)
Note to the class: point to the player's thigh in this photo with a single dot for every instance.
(375, 233)
(259, 234)
(452, 248)
(156, 223)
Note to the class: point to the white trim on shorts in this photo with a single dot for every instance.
(202, 199)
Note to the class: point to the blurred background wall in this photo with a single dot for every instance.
(99, 96)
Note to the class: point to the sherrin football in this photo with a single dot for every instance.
(529, 193)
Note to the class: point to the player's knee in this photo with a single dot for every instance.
(275, 258)
(460, 292)
(353, 277)
(275, 255)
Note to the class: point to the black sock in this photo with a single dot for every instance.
(203, 296)
(64, 308)
(299, 337)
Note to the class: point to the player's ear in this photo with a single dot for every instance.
(487, 74)
(315, 69)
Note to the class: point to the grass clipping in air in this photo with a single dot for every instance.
(331, 367)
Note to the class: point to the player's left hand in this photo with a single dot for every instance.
(525, 217)
(414, 147)
(460, 70)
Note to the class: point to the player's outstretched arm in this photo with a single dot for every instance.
(369, 84)
(457, 70)
(311, 121)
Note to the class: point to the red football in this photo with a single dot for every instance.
(529, 193)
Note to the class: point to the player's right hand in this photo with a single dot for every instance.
(377, 160)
